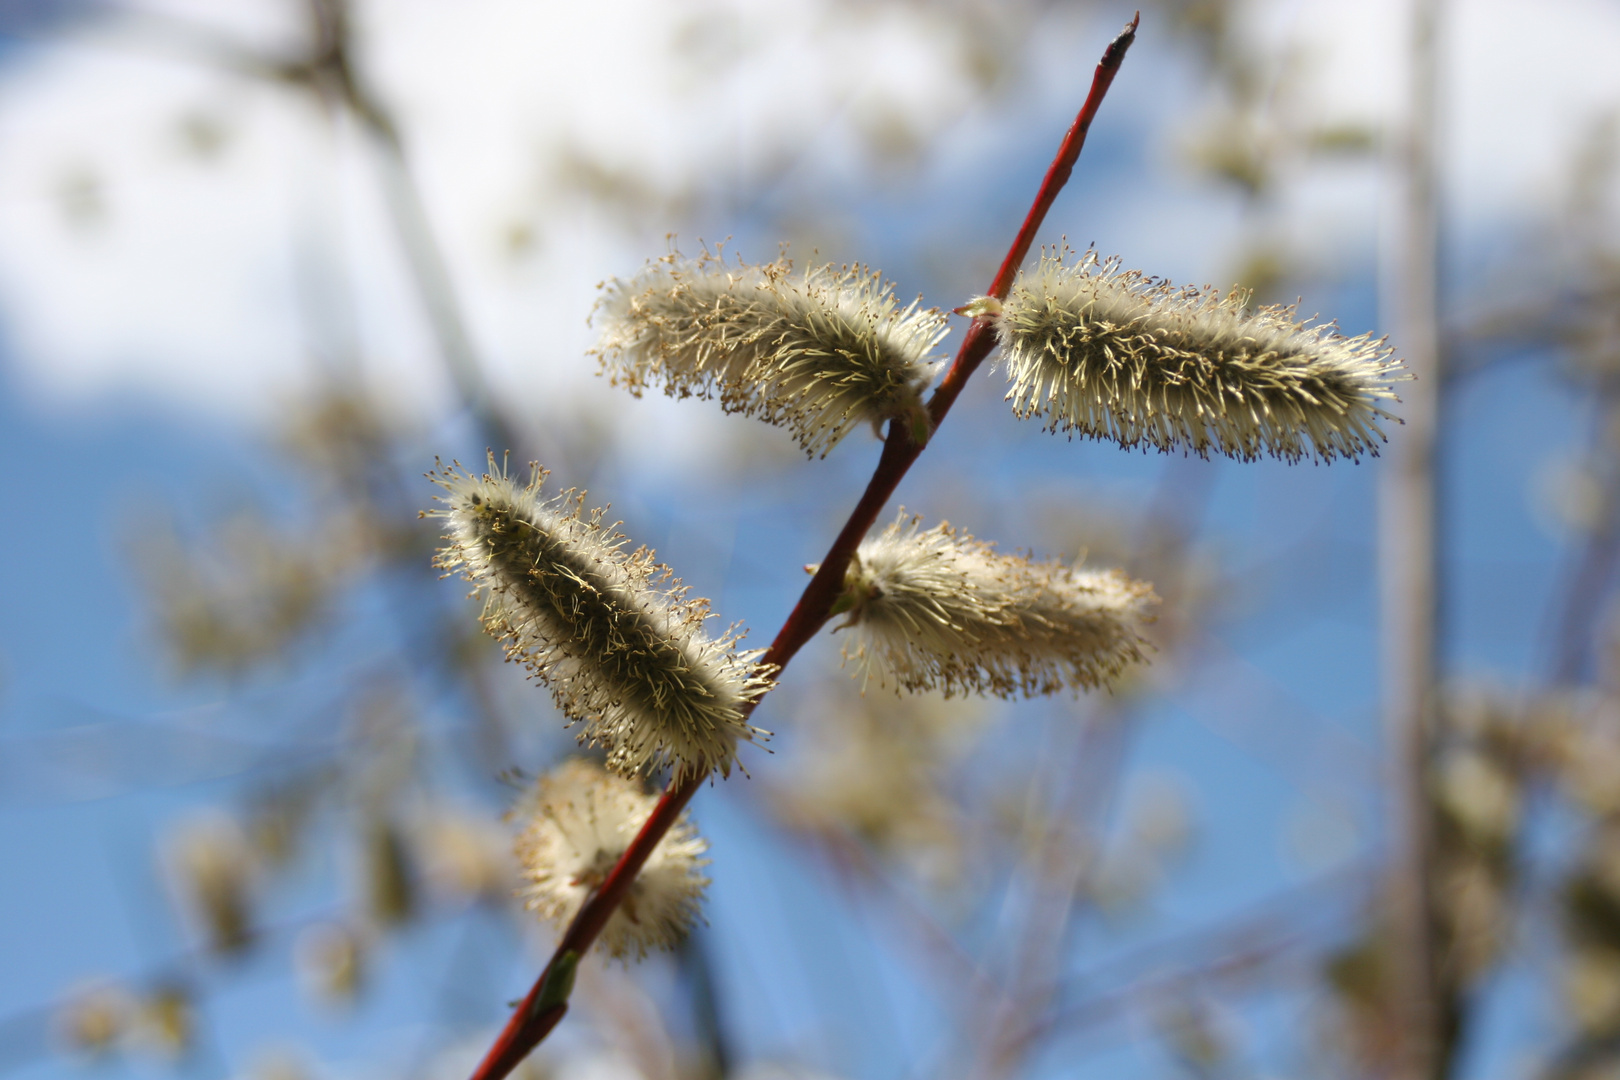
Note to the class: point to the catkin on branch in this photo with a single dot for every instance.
(576, 822)
(1113, 354)
(610, 632)
(818, 352)
(937, 609)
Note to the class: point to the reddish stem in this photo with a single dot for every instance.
(900, 450)
(1062, 165)
(529, 1023)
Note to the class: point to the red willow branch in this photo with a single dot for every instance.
(547, 1001)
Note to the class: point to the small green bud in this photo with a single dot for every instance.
(558, 985)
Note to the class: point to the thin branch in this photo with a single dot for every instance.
(853, 860)
(855, 865)
(326, 70)
(1280, 952)
(1268, 932)
(1589, 576)
(711, 1028)
(535, 1015)
(1425, 1010)
(334, 69)
(1064, 865)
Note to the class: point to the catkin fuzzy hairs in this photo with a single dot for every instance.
(818, 352)
(610, 631)
(575, 824)
(1111, 353)
(936, 609)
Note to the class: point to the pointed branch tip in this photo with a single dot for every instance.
(1116, 48)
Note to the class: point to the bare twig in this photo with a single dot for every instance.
(1408, 566)
(1277, 954)
(332, 72)
(1062, 866)
(1590, 574)
(327, 71)
(1270, 933)
(854, 861)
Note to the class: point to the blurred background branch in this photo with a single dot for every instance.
(262, 260)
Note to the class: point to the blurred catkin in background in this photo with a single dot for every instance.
(265, 260)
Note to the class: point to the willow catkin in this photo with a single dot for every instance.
(576, 823)
(610, 632)
(1111, 353)
(95, 1019)
(937, 609)
(818, 352)
(214, 863)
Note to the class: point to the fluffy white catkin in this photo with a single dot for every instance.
(818, 352)
(937, 609)
(610, 632)
(1114, 354)
(576, 822)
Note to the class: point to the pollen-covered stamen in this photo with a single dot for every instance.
(610, 632)
(576, 823)
(937, 609)
(1114, 354)
(819, 352)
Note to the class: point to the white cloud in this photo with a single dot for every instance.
(128, 261)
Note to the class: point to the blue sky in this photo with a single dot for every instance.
(138, 407)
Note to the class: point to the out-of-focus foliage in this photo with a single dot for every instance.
(986, 867)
